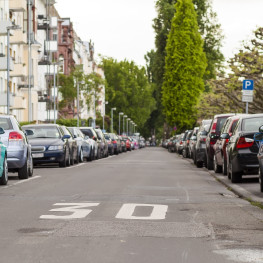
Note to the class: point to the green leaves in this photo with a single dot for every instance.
(128, 90)
(185, 66)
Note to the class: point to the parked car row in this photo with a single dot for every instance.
(231, 144)
(23, 147)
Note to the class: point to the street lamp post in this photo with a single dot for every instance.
(132, 125)
(124, 116)
(105, 103)
(8, 65)
(135, 125)
(120, 113)
(128, 125)
(78, 82)
(112, 109)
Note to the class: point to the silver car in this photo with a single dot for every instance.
(19, 157)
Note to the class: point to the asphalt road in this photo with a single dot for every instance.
(147, 206)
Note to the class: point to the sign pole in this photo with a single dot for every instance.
(247, 108)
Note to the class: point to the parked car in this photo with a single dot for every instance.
(200, 146)
(110, 143)
(102, 144)
(179, 144)
(116, 143)
(73, 146)
(123, 144)
(19, 156)
(242, 149)
(3, 162)
(127, 142)
(84, 146)
(91, 137)
(192, 142)
(220, 156)
(49, 144)
(212, 136)
(186, 143)
(260, 157)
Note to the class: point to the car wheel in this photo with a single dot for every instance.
(64, 162)
(199, 164)
(194, 157)
(23, 173)
(80, 157)
(184, 153)
(224, 168)
(72, 161)
(68, 160)
(260, 179)
(4, 178)
(217, 168)
(31, 167)
(236, 177)
(209, 163)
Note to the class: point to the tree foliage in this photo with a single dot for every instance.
(128, 90)
(226, 94)
(155, 59)
(185, 66)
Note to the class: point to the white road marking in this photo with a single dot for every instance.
(74, 166)
(76, 209)
(22, 181)
(127, 210)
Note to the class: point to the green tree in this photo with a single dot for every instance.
(210, 30)
(128, 90)
(185, 66)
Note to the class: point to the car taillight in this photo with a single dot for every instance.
(244, 142)
(188, 141)
(227, 140)
(181, 142)
(114, 142)
(212, 142)
(214, 126)
(203, 139)
(15, 136)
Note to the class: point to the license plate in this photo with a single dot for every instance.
(38, 155)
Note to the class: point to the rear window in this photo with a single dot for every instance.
(6, 124)
(233, 126)
(252, 124)
(87, 132)
(220, 123)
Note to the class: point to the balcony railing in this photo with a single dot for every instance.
(3, 99)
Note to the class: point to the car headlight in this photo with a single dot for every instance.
(55, 147)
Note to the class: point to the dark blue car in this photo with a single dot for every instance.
(49, 144)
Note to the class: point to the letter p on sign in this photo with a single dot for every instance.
(248, 84)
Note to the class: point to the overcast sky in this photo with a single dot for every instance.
(123, 28)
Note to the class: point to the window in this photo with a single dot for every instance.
(2, 14)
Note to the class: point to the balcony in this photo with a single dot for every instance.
(3, 64)
(51, 46)
(18, 6)
(19, 71)
(3, 99)
(20, 103)
(3, 25)
(19, 37)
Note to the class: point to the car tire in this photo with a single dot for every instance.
(194, 157)
(31, 168)
(236, 177)
(80, 156)
(217, 168)
(199, 164)
(209, 163)
(260, 179)
(224, 167)
(72, 160)
(68, 160)
(4, 178)
(64, 162)
(23, 173)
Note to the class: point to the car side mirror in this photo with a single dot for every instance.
(214, 136)
(94, 138)
(29, 132)
(65, 137)
(261, 129)
(75, 136)
(258, 137)
(86, 137)
(2, 131)
(225, 136)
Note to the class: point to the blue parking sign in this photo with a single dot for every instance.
(248, 84)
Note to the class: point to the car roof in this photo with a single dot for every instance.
(35, 125)
(249, 116)
(224, 115)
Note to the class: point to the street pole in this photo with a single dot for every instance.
(54, 94)
(104, 110)
(29, 60)
(112, 109)
(127, 126)
(8, 71)
(246, 107)
(124, 116)
(120, 113)
(77, 104)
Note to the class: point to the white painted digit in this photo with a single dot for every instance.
(127, 210)
(77, 210)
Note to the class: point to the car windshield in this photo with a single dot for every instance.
(252, 124)
(43, 132)
(6, 124)
(87, 132)
(220, 122)
(107, 137)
